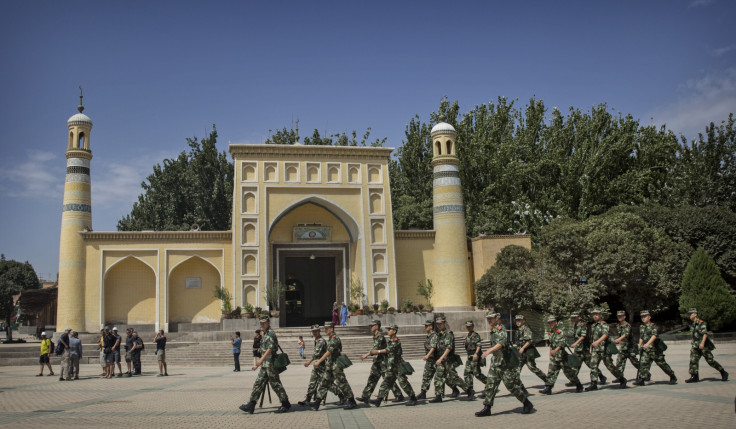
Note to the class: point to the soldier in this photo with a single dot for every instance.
(333, 371)
(473, 348)
(267, 374)
(599, 352)
(557, 360)
(430, 347)
(392, 376)
(500, 369)
(625, 341)
(652, 349)
(445, 363)
(702, 346)
(378, 368)
(320, 347)
(581, 345)
(527, 352)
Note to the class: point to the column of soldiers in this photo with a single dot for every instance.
(506, 356)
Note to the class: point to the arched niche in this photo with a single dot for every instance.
(249, 202)
(377, 234)
(193, 305)
(130, 293)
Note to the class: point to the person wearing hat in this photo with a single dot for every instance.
(64, 341)
(320, 347)
(430, 347)
(46, 350)
(625, 343)
(267, 374)
(116, 351)
(333, 371)
(581, 345)
(527, 352)
(445, 373)
(557, 360)
(75, 354)
(392, 377)
(378, 367)
(474, 350)
(702, 346)
(652, 350)
(500, 370)
(599, 352)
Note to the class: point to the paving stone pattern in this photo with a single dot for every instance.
(194, 397)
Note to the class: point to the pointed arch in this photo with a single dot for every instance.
(347, 220)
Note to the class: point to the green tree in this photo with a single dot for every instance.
(510, 283)
(291, 136)
(425, 288)
(194, 188)
(704, 288)
(15, 277)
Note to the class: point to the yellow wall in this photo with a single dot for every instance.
(130, 293)
(486, 248)
(194, 305)
(414, 263)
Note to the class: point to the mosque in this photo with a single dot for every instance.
(315, 218)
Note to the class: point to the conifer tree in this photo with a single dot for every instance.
(704, 288)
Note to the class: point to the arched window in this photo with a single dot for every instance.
(449, 147)
(71, 140)
(81, 141)
(438, 147)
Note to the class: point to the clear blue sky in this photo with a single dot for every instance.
(157, 72)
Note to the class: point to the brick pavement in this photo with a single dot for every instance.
(199, 397)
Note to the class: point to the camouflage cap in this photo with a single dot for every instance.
(490, 315)
(440, 319)
(519, 317)
(264, 318)
(329, 324)
(469, 323)
(395, 327)
(596, 311)
(428, 322)
(644, 313)
(551, 319)
(621, 313)
(575, 315)
(692, 310)
(316, 327)
(375, 322)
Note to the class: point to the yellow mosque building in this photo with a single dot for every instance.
(314, 218)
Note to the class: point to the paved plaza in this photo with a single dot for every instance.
(209, 397)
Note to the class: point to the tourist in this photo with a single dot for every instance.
(236, 342)
(101, 342)
(109, 342)
(135, 353)
(344, 315)
(256, 346)
(116, 352)
(64, 341)
(301, 346)
(160, 341)
(335, 314)
(128, 353)
(75, 353)
(45, 353)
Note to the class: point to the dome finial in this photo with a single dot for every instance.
(442, 118)
(80, 107)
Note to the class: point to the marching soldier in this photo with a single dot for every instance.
(557, 360)
(599, 352)
(320, 347)
(652, 349)
(430, 346)
(378, 368)
(500, 369)
(473, 348)
(333, 371)
(527, 352)
(392, 376)
(625, 341)
(581, 344)
(702, 346)
(445, 363)
(269, 345)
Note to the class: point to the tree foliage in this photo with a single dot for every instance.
(704, 288)
(510, 283)
(194, 188)
(291, 136)
(14, 277)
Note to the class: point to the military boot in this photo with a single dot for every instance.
(399, 398)
(422, 394)
(436, 399)
(603, 379)
(579, 387)
(249, 407)
(412, 401)
(342, 399)
(285, 405)
(315, 405)
(569, 384)
(363, 399)
(693, 379)
(528, 407)
(593, 386)
(305, 402)
(673, 379)
(486, 411)
(639, 382)
(351, 404)
(546, 391)
(455, 392)
(724, 375)
(622, 383)
(482, 395)
(375, 402)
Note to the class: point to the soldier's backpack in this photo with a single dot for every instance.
(343, 361)
(281, 361)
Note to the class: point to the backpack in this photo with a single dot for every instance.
(51, 346)
(59, 348)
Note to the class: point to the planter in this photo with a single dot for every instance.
(249, 315)
(383, 311)
(275, 313)
(359, 312)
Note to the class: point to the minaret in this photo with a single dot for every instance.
(76, 216)
(452, 290)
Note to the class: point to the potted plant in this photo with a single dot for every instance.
(421, 308)
(358, 311)
(274, 294)
(407, 306)
(351, 308)
(236, 314)
(225, 297)
(375, 307)
(249, 311)
(356, 291)
(384, 306)
(367, 309)
(426, 289)
(391, 310)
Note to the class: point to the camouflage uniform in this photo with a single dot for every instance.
(378, 368)
(599, 353)
(429, 365)
(653, 353)
(392, 376)
(582, 350)
(446, 371)
(472, 367)
(333, 372)
(698, 329)
(267, 373)
(500, 370)
(523, 336)
(626, 347)
(320, 347)
(557, 361)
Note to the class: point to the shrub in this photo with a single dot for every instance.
(704, 288)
